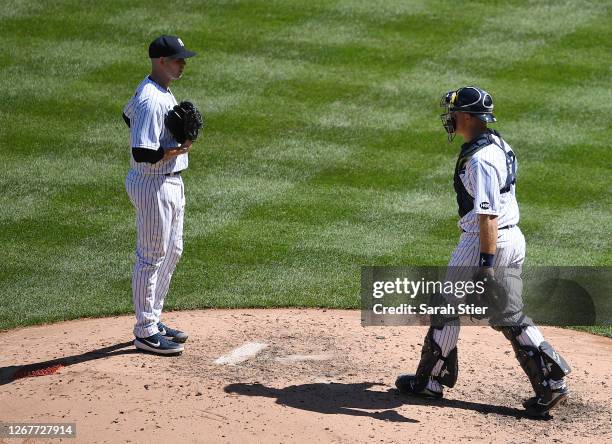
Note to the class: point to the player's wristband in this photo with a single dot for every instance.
(486, 260)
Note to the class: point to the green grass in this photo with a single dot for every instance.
(602, 330)
(323, 149)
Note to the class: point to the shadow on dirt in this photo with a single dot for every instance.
(13, 372)
(331, 399)
(356, 400)
(479, 407)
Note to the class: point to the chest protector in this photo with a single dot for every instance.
(465, 201)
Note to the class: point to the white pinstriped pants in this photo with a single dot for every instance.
(510, 253)
(160, 205)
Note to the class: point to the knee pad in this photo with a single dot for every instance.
(431, 354)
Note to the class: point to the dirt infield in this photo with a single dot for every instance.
(288, 375)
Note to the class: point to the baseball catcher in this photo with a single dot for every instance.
(492, 245)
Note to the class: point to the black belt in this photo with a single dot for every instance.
(502, 228)
(176, 173)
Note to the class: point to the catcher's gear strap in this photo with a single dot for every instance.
(486, 139)
(465, 201)
(539, 364)
(510, 161)
(431, 354)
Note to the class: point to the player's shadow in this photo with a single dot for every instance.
(465, 405)
(13, 372)
(356, 400)
(331, 399)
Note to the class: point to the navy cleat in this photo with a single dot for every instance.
(171, 333)
(407, 384)
(539, 406)
(158, 344)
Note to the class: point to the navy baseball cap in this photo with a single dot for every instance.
(169, 46)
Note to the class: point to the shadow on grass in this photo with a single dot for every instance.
(13, 372)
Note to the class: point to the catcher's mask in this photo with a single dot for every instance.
(469, 100)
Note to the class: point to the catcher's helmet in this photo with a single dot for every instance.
(468, 99)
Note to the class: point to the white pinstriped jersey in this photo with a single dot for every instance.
(146, 111)
(484, 176)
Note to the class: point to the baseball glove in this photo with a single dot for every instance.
(184, 122)
(494, 297)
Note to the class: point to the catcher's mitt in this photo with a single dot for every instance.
(184, 122)
(494, 297)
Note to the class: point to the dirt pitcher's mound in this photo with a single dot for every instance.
(288, 375)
